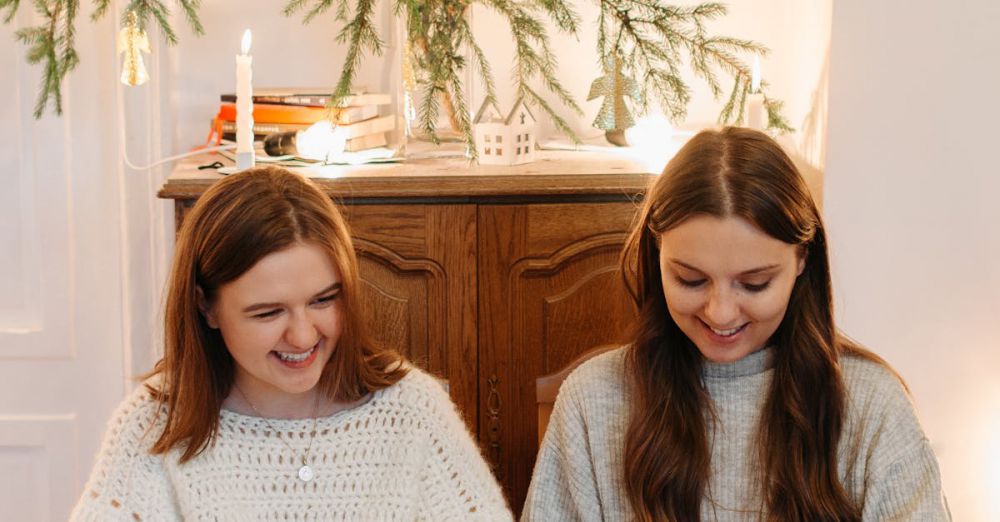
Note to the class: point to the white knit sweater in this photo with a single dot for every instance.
(884, 460)
(403, 455)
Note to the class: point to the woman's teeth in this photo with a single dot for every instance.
(295, 357)
(727, 333)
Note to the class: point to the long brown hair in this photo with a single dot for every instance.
(234, 224)
(742, 173)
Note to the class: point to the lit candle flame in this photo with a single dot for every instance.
(245, 46)
(755, 76)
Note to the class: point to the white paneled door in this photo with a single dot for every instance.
(68, 242)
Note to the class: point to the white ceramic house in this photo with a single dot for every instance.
(505, 141)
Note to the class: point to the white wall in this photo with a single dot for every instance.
(912, 206)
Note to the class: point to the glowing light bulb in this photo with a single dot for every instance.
(651, 141)
(321, 141)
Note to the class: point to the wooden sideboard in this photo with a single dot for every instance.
(487, 276)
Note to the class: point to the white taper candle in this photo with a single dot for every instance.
(244, 105)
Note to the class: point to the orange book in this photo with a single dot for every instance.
(269, 113)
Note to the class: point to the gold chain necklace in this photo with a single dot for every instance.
(306, 472)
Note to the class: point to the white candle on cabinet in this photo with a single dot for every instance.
(244, 105)
(756, 112)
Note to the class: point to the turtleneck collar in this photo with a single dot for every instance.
(754, 363)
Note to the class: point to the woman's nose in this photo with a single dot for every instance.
(301, 332)
(721, 309)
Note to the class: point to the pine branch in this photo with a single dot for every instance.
(479, 63)
(52, 43)
(566, 19)
(462, 114)
(360, 35)
(531, 64)
(11, 6)
(775, 120)
(438, 33)
(321, 6)
(101, 6)
(429, 111)
(532, 96)
(292, 6)
(68, 59)
(191, 13)
(656, 38)
(733, 105)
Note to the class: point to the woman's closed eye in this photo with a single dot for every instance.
(327, 299)
(750, 287)
(267, 314)
(690, 283)
(757, 287)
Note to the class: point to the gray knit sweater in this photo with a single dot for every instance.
(885, 462)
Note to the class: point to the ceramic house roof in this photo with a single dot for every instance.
(519, 103)
(484, 111)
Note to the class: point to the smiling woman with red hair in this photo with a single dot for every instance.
(271, 402)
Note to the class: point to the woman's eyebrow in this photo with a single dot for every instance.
(331, 288)
(751, 271)
(261, 306)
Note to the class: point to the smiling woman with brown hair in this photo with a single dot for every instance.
(271, 402)
(737, 398)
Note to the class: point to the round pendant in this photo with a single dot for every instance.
(306, 473)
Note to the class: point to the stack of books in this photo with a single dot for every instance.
(284, 110)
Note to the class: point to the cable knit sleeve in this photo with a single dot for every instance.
(563, 484)
(456, 483)
(127, 483)
(901, 480)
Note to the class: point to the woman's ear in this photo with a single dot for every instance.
(803, 255)
(206, 309)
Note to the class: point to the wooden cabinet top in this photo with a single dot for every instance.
(555, 174)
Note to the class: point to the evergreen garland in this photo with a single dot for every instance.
(437, 33)
(651, 38)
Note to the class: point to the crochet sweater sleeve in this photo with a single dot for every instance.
(127, 483)
(456, 482)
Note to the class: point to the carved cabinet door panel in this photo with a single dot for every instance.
(549, 291)
(418, 281)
